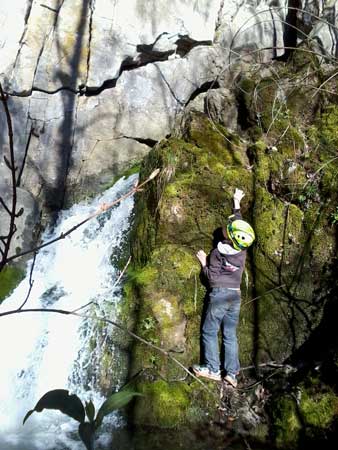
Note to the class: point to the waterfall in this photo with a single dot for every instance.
(44, 351)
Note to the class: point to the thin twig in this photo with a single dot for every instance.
(5, 206)
(271, 364)
(258, 382)
(18, 181)
(317, 171)
(31, 282)
(116, 282)
(195, 294)
(324, 82)
(264, 293)
(122, 273)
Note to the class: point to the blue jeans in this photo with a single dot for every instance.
(222, 313)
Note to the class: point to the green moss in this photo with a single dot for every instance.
(277, 256)
(286, 423)
(268, 105)
(215, 138)
(297, 422)
(10, 277)
(328, 128)
(319, 410)
(303, 59)
(163, 404)
(169, 291)
(323, 141)
(143, 276)
(261, 433)
(175, 404)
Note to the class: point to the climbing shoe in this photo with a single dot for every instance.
(205, 372)
(231, 380)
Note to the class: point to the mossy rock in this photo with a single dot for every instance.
(192, 196)
(323, 136)
(163, 405)
(175, 404)
(319, 410)
(10, 277)
(171, 294)
(304, 421)
(287, 189)
(286, 274)
(286, 423)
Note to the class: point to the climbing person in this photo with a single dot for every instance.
(224, 270)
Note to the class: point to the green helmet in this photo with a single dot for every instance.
(241, 234)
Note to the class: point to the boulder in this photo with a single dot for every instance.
(288, 285)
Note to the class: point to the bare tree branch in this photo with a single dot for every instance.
(121, 274)
(5, 206)
(31, 282)
(18, 181)
(11, 165)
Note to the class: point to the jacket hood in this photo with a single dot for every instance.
(226, 249)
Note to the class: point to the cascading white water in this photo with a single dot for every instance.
(44, 351)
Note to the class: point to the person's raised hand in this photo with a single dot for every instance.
(202, 257)
(238, 195)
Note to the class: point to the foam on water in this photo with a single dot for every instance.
(44, 351)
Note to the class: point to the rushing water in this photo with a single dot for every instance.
(44, 351)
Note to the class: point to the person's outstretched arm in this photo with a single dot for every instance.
(238, 195)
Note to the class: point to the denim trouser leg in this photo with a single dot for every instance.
(229, 338)
(223, 312)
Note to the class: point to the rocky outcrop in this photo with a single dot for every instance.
(284, 158)
(94, 84)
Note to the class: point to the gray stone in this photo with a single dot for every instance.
(221, 106)
(54, 44)
(324, 33)
(40, 20)
(12, 26)
(245, 28)
(65, 52)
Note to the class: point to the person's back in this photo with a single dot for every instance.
(224, 273)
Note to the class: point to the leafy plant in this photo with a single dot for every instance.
(334, 216)
(148, 323)
(309, 193)
(72, 406)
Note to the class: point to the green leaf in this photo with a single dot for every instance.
(61, 400)
(90, 411)
(86, 433)
(115, 401)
